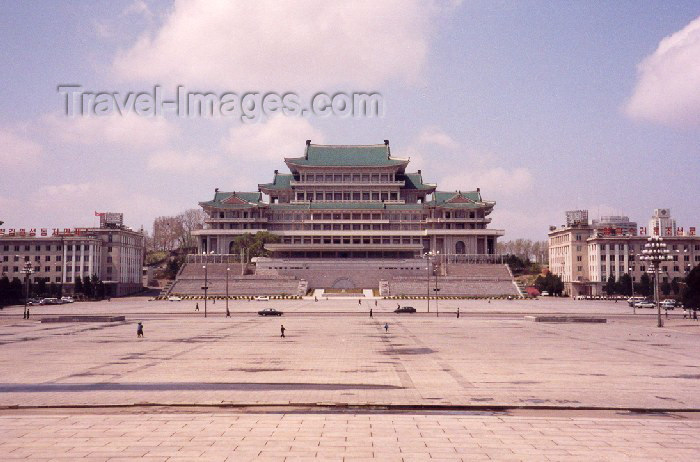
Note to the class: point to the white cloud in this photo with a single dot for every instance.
(464, 168)
(283, 46)
(138, 8)
(130, 130)
(435, 136)
(668, 87)
(16, 150)
(493, 181)
(274, 139)
(73, 204)
(183, 162)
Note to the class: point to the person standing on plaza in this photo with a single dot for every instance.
(196, 307)
(386, 327)
(370, 312)
(139, 330)
(282, 329)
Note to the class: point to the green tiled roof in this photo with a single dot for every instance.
(415, 181)
(459, 200)
(281, 181)
(376, 155)
(245, 200)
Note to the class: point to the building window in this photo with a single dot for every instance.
(47, 269)
(48, 258)
(37, 257)
(37, 248)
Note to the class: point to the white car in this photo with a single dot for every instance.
(262, 298)
(174, 298)
(668, 304)
(645, 304)
(545, 294)
(67, 299)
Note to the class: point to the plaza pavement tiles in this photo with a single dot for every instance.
(334, 361)
(234, 437)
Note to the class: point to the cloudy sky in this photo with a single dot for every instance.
(544, 106)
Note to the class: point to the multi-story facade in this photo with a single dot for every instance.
(114, 255)
(585, 255)
(351, 202)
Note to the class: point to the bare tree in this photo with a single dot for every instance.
(166, 233)
(191, 220)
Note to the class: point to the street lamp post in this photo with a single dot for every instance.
(27, 271)
(655, 252)
(634, 308)
(228, 313)
(205, 287)
(430, 255)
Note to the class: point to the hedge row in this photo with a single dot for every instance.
(454, 297)
(231, 297)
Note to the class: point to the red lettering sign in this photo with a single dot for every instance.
(11, 232)
(692, 230)
(32, 232)
(56, 232)
(44, 232)
(22, 232)
(668, 230)
(2, 232)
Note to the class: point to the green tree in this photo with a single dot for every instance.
(40, 289)
(4, 291)
(665, 288)
(88, 287)
(624, 285)
(645, 288)
(16, 290)
(610, 286)
(78, 287)
(253, 245)
(691, 294)
(550, 283)
(675, 286)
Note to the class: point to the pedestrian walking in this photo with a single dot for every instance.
(457, 312)
(139, 330)
(370, 312)
(282, 329)
(28, 313)
(375, 303)
(359, 302)
(386, 327)
(196, 307)
(315, 298)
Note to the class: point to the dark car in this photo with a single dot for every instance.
(405, 309)
(269, 312)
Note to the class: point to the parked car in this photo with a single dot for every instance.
(545, 294)
(269, 312)
(174, 298)
(51, 301)
(33, 301)
(405, 309)
(645, 304)
(67, 299)
(262, 298)
(632, 300)
(668, 304)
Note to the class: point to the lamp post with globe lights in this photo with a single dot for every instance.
(27, 271)
(654, 253)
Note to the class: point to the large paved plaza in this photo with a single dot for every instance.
(489, 384)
